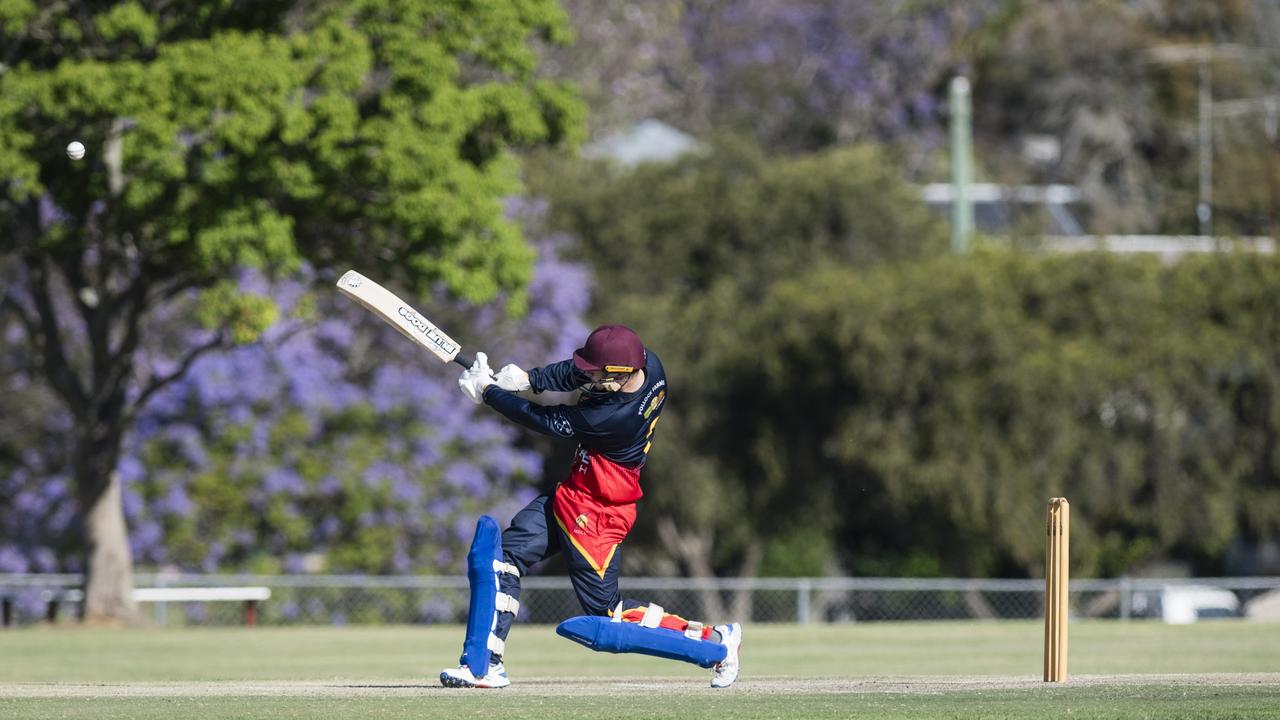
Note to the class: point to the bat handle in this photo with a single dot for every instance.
(464, 360)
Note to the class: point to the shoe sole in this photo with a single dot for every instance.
(450, 681)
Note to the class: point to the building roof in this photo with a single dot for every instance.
(646, 141)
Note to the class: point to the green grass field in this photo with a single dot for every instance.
(917, 670)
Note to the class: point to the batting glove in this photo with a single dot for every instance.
(476, 378)
(512, 378)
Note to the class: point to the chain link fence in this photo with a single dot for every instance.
(349, 599)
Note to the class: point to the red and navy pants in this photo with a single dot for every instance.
(589, 533)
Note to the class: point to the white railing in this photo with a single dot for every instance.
(302, 599)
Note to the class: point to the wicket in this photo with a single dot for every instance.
(1056, 600)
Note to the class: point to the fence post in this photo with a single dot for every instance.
(804, 600)
(1126, 598)
(161, 580)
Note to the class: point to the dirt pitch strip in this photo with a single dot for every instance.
(560, 687)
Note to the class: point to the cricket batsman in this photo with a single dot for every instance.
(586, 517)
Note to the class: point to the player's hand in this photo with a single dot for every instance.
(512, 378)
(476, 378)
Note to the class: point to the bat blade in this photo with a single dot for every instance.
(402, 316)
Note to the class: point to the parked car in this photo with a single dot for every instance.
(1184, 604)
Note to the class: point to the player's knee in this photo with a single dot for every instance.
(599, 605)
(594, 608)
(510, 582)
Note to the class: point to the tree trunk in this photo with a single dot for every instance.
(108, 585)
(694, 550)
(744, 600)
(978, 606)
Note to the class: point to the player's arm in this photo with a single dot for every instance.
(559, 377)
(564, 421)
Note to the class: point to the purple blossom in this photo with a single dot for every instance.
(386, 472)
(854, 70)
(131, 469)
(188, 442)
(400, 561)
(28, 503)
(49, 212)
(30, 603)
(405, 490)
(213, 558)
(301, 426)
(54, 489)
(132, 503)
(524, 495)
(464, 527)
(441, 507)
(44, 560)
(436, 609)
(424, 453)
(145, 539)
(293, 563)
(175, 502)
(467, 477)
(12, 561)
(328, 528)
(283, 481)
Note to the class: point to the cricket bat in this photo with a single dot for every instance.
(400, 315)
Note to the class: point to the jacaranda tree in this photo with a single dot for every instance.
(332, 445)
(264, 135)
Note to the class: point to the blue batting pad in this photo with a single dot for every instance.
(483, 615)
(602, 634)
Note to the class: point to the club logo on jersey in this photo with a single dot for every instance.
(561, 425)
(582, 520)
(655, 404)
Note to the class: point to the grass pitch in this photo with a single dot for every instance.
(917, 670)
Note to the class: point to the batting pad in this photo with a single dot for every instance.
(484, 562)
(605, 635)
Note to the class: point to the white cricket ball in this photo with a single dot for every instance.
(75, 150)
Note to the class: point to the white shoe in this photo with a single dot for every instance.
(727, 669)
(461, 677)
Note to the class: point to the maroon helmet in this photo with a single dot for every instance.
(615, 349)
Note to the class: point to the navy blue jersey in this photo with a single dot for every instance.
(617, 425)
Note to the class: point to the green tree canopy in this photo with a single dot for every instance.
(848, 398)
(374, 133)
(685, 253)
(933, 407)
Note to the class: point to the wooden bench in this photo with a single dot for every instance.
(250, 596)
(52, 598)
